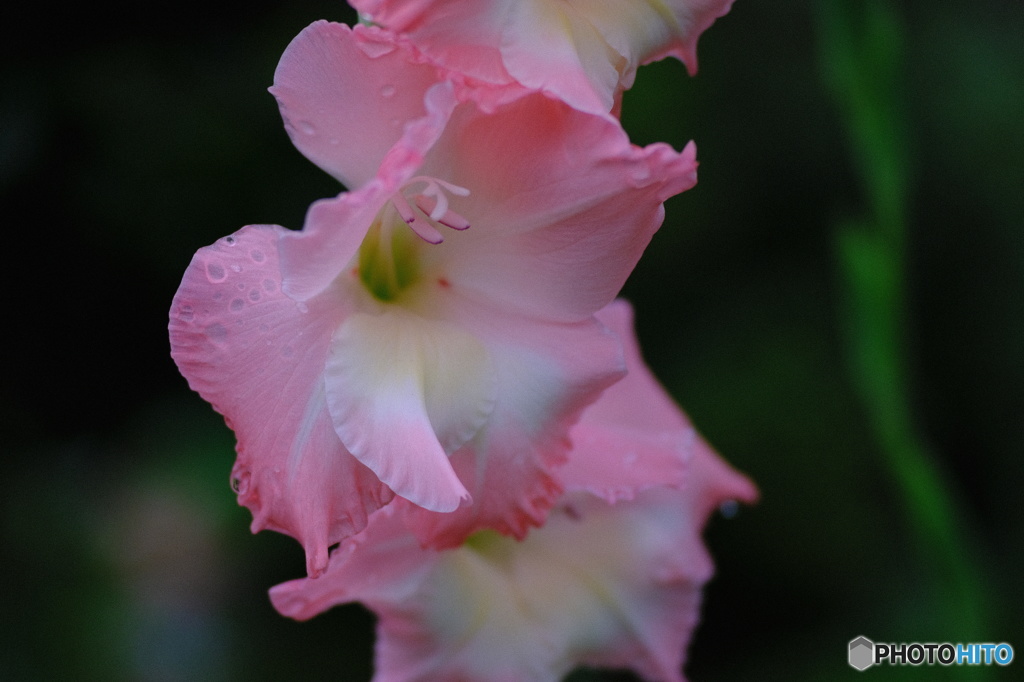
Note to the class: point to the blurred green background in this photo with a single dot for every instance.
(131, 135)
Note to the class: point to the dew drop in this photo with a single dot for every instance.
(257, 256)
(241, 286)
(216, 332)
(303, 308)
(388, 91)
(641, 174)
(236, 268)
(237, 305)
(215, 273)
(230, 241)
(307, 127)
(729, 509)
(374, 49)
(254, 295)
(240, 482)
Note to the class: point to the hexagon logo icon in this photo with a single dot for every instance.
(862, 653)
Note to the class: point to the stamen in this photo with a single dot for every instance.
(427, 232)
(430, 197)
(448, 218)
(403, 208)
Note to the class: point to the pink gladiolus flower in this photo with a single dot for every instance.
(431, 332)
(585, 52)
(615, 585)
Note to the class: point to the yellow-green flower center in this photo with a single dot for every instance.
(389, 255)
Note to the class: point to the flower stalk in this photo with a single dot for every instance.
(861, 55)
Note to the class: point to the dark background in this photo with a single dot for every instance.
(131, 134)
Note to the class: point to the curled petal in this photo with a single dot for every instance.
(334, 228)
(584, 52)
(405, 392)
(547, 374)
(258, 357)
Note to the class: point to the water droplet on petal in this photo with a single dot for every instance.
(388, 91)
(237, 305)
(240, 482)
(303, 308)
(729, 509)
(641, 174)
(215, 273)
(373, 49)
(216, 332)
(230, 241)
(236, 268)
(254, 295)
(257, 256)
(307, 127)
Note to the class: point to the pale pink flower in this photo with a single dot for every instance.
(600, 584)
(585, 52)
(431, 332)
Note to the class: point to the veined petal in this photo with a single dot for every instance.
(346, 95)
(258, 357)
(404, 392)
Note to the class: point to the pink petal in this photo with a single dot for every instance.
(693, 17)
(258, 358)
(335, 228)
(346, 95)
(551, 47)
(459, 37)
(634, 437)
(562, 206)
(383, 563)
(404, 392)
(546, 374)
(584, 52)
